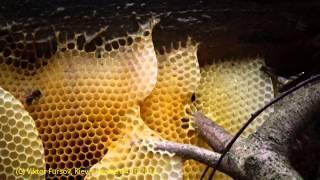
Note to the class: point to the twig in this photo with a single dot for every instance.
(215, 135)
(188, 151)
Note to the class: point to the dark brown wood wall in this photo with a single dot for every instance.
(285, 32)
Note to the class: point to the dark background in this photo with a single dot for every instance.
(285, 32)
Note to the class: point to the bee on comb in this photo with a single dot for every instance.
(35, 95)
(193, 97)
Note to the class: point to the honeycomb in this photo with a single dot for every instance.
(86, 97)
(231, 90)
(164, 110)
(134, 157)
(137, 160)
(20, 145)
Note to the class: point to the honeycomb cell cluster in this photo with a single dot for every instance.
(86, 99)
(100, 105)
(231, 90)
(135, 158)
(178, 77)
(26, 51)
(164, 110)
(20, 145)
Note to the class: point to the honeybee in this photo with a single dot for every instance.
(193, 97)
(35, 95)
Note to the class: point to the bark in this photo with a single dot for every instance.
(266, 154)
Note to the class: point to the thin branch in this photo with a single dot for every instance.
(215, 135)
(188, 151)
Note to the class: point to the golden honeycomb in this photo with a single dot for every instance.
(86, 96)
(231, 90)
(20, 145)
(134, 158)
(164, 110)
(178, 77)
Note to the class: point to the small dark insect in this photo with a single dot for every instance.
(35, 95)
(193, 97)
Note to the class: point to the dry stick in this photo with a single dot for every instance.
(189, 151)
(216, 137)
(253, 116)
